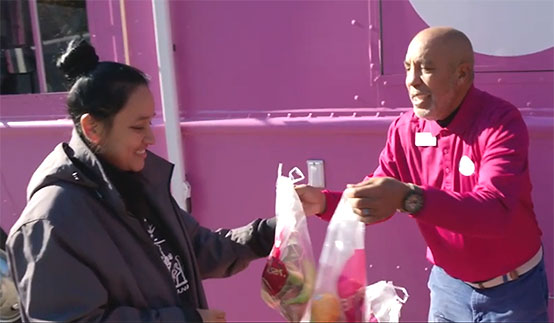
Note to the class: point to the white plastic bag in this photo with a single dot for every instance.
(382, 303)
(341, 279)
(289, 275)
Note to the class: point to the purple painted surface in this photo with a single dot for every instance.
(237, 62)
(271, 55)
(45, 106)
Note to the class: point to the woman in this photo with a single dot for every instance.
(101, 238)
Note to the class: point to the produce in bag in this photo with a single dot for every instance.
(341, 279)
(289, 274)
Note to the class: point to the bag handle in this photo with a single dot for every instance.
(404, 291)
(292, 173)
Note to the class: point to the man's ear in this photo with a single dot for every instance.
(92, 129)
(465, 73)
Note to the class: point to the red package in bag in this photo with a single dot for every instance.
(289, 274)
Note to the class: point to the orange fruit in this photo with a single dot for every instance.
(325, 308)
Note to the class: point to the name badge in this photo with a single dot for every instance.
(425, 139)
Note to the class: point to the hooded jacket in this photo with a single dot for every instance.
(77, 255)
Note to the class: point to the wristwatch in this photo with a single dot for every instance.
(413, 201)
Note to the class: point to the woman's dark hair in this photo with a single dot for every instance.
(100, 89)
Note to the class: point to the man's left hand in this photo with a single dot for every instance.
(376, 199)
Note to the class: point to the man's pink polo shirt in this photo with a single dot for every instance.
(478, 219)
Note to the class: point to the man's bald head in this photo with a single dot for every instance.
(447, 41)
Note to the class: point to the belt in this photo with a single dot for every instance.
(512, 275)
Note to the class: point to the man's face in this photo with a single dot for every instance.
(431, 79)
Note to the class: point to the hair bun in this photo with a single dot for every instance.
(79, 59)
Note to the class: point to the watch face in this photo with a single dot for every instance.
(413, 203)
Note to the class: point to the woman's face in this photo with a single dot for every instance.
(124, 144)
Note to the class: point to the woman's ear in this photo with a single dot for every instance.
(92, 129)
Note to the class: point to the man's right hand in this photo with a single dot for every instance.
(313, 200)
(212, 315)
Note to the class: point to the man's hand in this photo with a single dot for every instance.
(376, 199)
(212, 315)
(313, 200)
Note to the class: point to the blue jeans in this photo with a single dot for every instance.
(522, 300)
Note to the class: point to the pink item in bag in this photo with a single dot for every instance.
(351, 286)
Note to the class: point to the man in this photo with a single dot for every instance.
(458, 165)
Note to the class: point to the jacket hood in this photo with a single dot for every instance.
(62, 164)
(74, 162)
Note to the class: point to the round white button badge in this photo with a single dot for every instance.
(466, 167)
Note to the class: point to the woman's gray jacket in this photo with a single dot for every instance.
(76, 254)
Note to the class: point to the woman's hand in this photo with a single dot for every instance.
(313, 200)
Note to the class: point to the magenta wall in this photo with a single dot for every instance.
(249, 74)
(269, 55)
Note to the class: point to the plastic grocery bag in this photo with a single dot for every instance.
(289, 274)
(341, 279)
(382, 303)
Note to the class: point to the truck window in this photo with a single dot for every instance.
(33, 33)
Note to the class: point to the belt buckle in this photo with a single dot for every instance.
(512, 275)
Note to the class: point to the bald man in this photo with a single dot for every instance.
(457, 165)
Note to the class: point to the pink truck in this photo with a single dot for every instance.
(241, 86)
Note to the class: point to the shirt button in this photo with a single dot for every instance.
(445, 151)
(447, 170)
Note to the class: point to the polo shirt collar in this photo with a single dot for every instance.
(463, 118)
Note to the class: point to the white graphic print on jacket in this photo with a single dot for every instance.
(172, 262)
